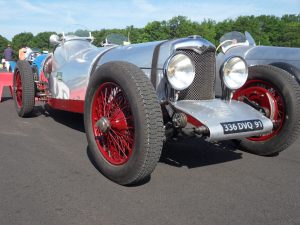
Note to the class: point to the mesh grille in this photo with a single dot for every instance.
(202, 87)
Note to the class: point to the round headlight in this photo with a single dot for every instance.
(235, 73)
(180, 71)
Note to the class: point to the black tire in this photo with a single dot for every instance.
(24, 97)
(289, 130)
(143, 106)
(292, 70)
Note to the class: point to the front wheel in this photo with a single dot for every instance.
(123, 122)
(277, 95)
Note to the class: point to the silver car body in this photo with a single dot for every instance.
(74, 61)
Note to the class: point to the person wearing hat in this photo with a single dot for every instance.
(8, 56)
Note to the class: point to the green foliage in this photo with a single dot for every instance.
(135, 34)
(22, 39)
(265, 29)
(41, 41)
(180, 26)
(290, 33)
(207, 29)
(3, 44)
(155, 31)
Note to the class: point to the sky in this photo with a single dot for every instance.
(36, 16)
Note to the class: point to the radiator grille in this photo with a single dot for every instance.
(202, 87)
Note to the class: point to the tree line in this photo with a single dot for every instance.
(265, 29)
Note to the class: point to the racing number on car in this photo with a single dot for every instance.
(242, 126)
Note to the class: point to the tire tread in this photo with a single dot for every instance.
(28, 89)
(150, 131)
(154, 122)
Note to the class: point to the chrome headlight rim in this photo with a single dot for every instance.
(223, 72)
(166, 66)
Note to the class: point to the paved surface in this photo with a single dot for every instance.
(47, 177)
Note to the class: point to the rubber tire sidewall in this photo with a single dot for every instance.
(127, 173)
(28, 89)
(289, 90)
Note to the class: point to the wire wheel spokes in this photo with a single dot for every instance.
(112, 122)
(18, 89)
(268, 97)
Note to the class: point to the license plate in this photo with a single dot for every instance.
(242, 126)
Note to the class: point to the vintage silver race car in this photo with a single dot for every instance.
(137, 96)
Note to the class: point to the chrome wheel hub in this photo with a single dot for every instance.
(103, 124)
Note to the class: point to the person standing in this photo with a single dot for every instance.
(22, 52)
(8, 56)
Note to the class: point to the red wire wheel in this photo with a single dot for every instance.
(123, 123)
(269, 98)
(18, 89)
(112, 123)
(276, 94)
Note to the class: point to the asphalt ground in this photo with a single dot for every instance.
(48, 177)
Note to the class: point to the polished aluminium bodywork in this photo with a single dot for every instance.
(74, 61)
(212, 113)
(285, 58)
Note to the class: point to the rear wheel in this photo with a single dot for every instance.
(277, 95)
(24, 89)
(123, 123)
